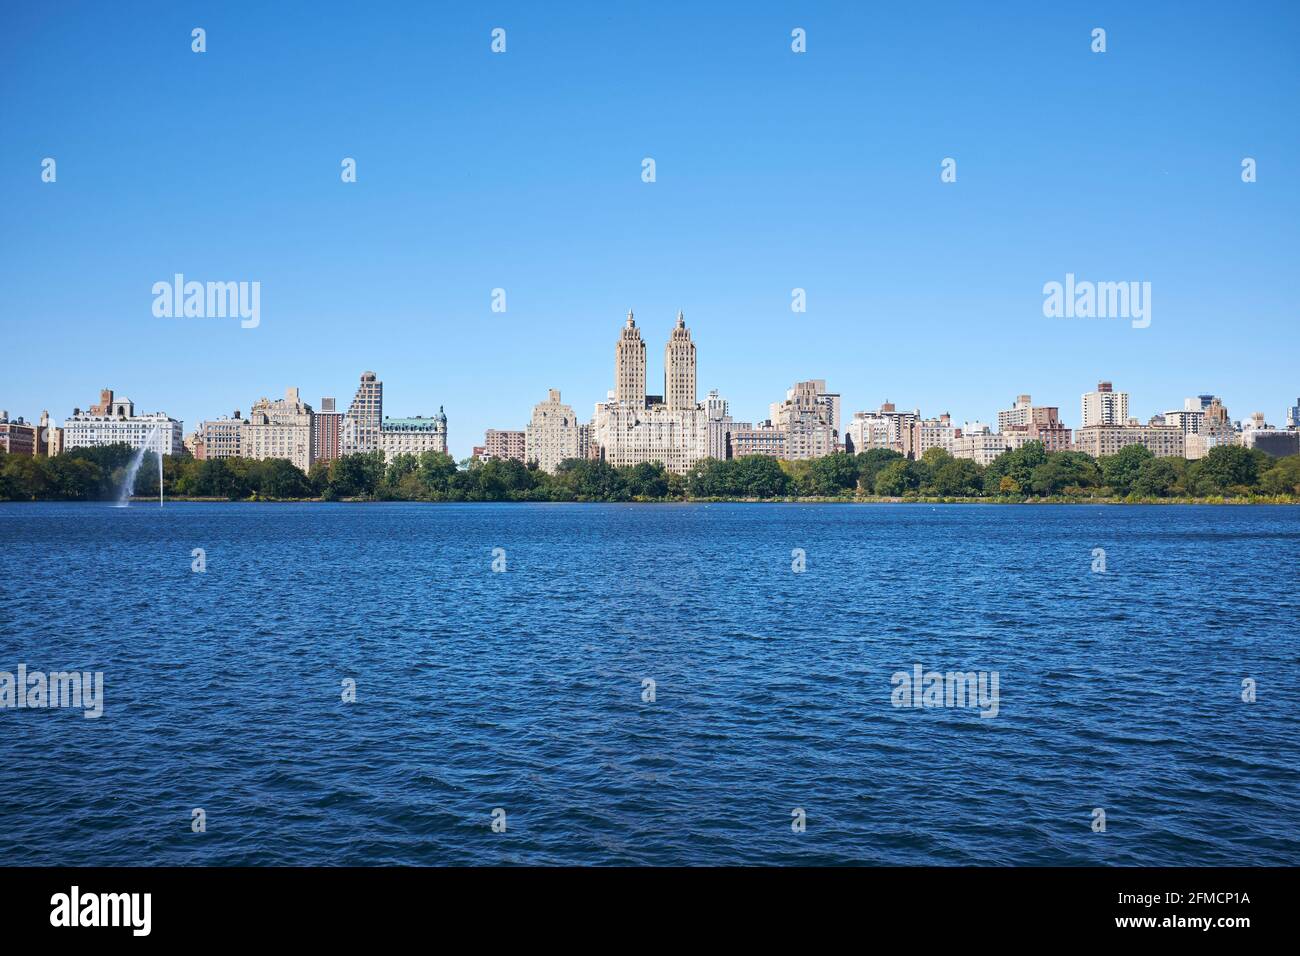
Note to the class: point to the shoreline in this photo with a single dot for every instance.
(1265, 500)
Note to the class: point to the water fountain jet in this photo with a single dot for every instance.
(128, 485)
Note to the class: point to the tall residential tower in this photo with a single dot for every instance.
(365, 417)
(679, 368)
(629, 366)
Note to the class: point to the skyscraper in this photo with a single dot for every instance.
(679, 368)
(810, 416)
(629, 430)
(1105, 406)
(629, 365)
(553, 434)
(279, 429)
(327, 431)
(365, 417)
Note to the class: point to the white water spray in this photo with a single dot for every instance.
(128, 485)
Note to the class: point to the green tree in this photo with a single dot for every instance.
(896, 479)
(280, 478)
(870, 464)
(710, 478)
(1064, 470)
(646, 480)
(74, 479)
(358, 475)
(1227, 467)
(1156, 478)
(758, 476)
(957, 477)
(1282, 477)
(435, 473)
(1018, 464)
(28, 478)
(834, 474)
(1120, 470)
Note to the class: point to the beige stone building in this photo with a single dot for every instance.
(886, 428)
(1105, 406)
(761, 439)
(629, 365)
(810, 417)
(679, 368)
(1164, 441)
(553, 434)
(631, 427)
(979, 444)
(50, 436)
(1025, 421)
(413, 436)
(927, 433)
(222, 437)
(279, 429)
(628, 435)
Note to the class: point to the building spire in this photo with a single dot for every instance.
(630, 323)
(681, 320)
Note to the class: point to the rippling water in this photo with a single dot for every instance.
(523, 690)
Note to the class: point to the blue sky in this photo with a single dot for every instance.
(522, 171)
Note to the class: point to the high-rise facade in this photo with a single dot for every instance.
(1163, 441)
(51, 436)
(49, 440)
(719, 425)
(279, 429)
(1017, 416)
(553, 435)
(114, 421)
(413, 436)
(981, 445)
(223, 437)
(1105, 406)
(327, 432)
(504, 444)
(762, 439)
(679, 368)
(927, 433)
(629, 365)
(1025, 421)
(810, 417)
(887, 428)
(629, 430)
(18, 437)
(1213, 427)
(364, 420)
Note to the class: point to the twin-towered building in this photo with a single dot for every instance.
(631, 427)
(674, 428)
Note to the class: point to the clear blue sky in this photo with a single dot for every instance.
(523, 171)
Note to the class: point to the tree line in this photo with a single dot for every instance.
(1029, 472)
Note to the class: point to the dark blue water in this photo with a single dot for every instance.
(523, 690)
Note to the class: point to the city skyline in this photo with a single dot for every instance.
(775, 171)
(628, 425)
